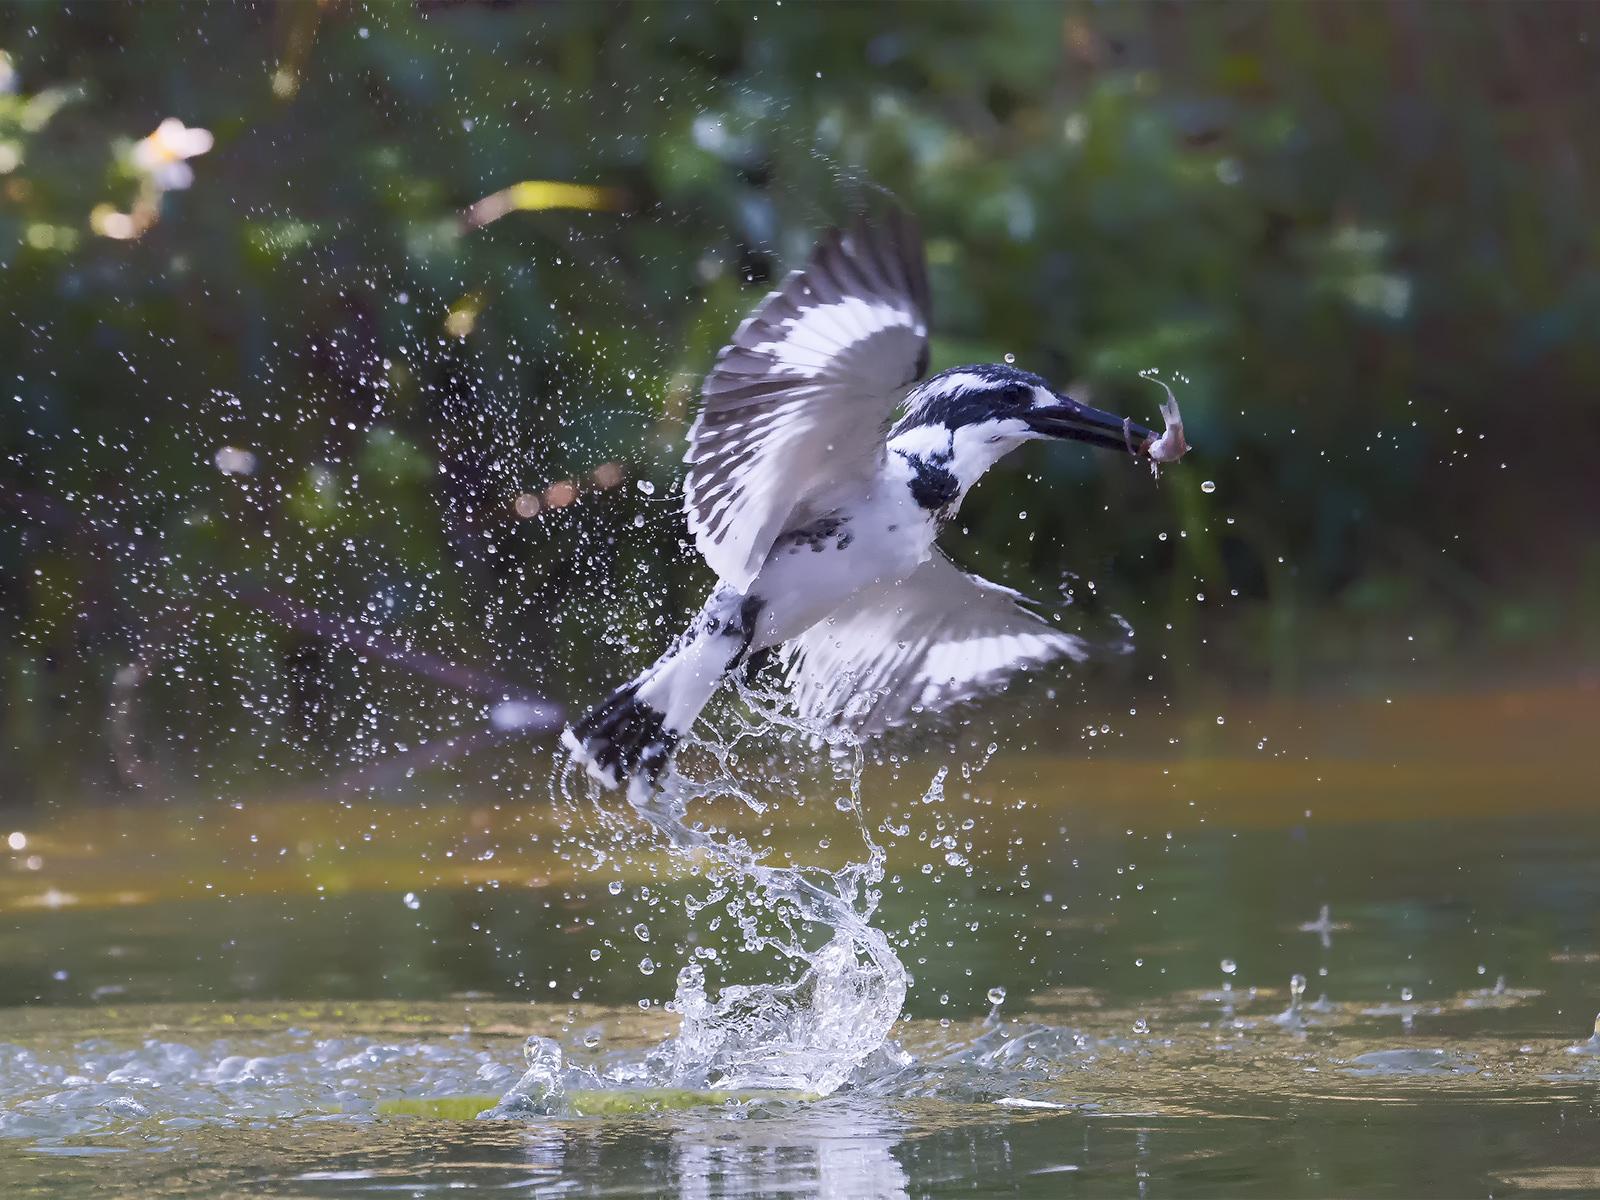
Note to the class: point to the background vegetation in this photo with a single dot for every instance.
(337, 447)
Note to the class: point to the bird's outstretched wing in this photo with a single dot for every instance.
(938, 637)
(798, 402)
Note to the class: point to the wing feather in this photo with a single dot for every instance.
(935, 639)
(797, 404)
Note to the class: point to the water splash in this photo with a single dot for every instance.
(808, 1033)
(1293, 1017)
(1591, 1044)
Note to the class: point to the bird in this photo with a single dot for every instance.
(819, 511)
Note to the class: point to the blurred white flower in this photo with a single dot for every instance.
(108, 222)
(161, 155)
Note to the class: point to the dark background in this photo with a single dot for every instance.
(1365, 236)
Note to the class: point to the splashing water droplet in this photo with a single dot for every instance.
(1208, 487)
(1293, 1016)
(997, 996)
(410, 900)
(540, 1084)
(811, 1030)
(1229, 966)
(1010, 358)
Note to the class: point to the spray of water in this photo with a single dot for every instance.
(841, 985)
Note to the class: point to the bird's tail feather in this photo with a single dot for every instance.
(622, 737)
(629, 737)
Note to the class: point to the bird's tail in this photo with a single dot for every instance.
(622, 736)
(631, 734)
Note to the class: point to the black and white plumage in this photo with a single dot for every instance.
(795, 407)
(923, 643)
(820, 519)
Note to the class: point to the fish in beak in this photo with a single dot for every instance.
(1065, 418)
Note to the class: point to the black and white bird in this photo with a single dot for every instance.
(820, 519)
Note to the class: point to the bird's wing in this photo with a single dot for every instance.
(798, 402)
(937, 638)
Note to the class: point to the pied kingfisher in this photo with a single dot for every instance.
(822, 530)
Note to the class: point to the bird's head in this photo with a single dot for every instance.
(968, 418)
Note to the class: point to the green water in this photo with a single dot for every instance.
(243, 1001)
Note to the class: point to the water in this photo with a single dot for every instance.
(249, 1004)
(811, 1031)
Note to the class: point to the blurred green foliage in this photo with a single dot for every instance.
(1361, 239)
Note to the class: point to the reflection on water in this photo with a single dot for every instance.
(1125, 995)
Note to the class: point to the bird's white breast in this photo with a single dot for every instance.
(877, 536)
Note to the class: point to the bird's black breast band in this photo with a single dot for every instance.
(933, 485)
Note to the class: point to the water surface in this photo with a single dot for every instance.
(300, 997)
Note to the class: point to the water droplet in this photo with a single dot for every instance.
(544, 1060)
(997, 996)
(1297, 986)
(1221, 721)
(642, 932)
(1010, 358)
(1229, 966)
(126, 1106)
(1141, 1025)
(615, 887)
(1405, 995)
(1208, 487)
(645, 486)
(646, 967)
(411, 900)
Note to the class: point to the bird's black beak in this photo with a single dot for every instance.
(1066, 418)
